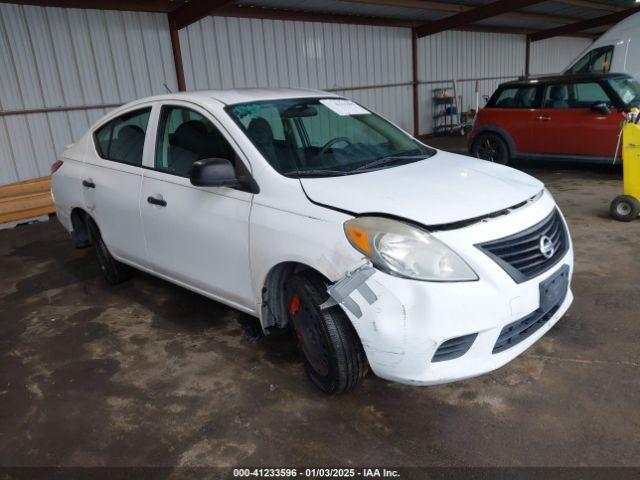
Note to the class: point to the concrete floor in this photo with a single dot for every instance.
(147, 373)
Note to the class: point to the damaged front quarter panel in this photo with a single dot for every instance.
(376, 313)
(340, 292)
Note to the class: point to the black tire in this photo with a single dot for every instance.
(625, 208)
(114, 271)
(334, 359)
(491, 147)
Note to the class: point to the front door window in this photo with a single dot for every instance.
(185, 136)
(574, 95)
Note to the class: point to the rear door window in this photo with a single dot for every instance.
(556, 96)
(516, 97)
(122, 139)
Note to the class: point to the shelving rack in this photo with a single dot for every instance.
(446, 117)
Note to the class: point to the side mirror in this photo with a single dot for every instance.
(213, 172)
(602, 108)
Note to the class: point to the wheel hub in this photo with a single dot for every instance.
(488, 151)
(623, 209)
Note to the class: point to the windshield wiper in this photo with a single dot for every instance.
(317, 173)
(388, 159)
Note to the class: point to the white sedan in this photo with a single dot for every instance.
(311, 212)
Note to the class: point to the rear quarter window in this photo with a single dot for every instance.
(514, 97)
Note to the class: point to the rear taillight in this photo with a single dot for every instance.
(56, 166)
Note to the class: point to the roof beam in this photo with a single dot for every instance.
(196, 10)
(513, 31)
(593, 5)
(303, 16)
(474, 15)
(133, 6)
(419, 4)
(458, 8)
(584, 25)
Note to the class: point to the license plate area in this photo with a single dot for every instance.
(554, 289)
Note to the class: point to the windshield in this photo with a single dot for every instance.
(596, 60)
(628, 89)
(324, 137)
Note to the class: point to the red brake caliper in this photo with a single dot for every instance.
(294, 308)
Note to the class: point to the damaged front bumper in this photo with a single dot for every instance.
(404, 328)
(410, 320)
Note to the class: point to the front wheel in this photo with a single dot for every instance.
(490, 147)
(333, 356)
(625, 208)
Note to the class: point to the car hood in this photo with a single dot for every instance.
(442, 189)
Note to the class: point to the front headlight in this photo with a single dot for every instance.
(403, 250)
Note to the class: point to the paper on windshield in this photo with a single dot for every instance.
(628, 96)
(343, 107)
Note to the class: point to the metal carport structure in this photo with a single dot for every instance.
(66, 62)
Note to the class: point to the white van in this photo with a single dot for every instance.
(618, 50)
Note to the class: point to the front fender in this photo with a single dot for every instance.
(318, 242)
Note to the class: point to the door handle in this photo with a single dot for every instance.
(157, 201)
(88, 184)
(543, 118)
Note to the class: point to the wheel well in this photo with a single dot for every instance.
(80, 234)
(274, 298)
(479, 135)
(500, 133)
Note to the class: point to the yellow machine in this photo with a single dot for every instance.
(627, 207)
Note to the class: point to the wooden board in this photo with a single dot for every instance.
(28, 199)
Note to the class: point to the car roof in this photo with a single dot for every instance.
(241, 95)
(557, 78)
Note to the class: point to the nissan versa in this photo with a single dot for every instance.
(311, 212)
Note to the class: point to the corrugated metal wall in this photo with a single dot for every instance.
(55, 57)
(221, 52)
(554, 54)
(488, 58)
(485, 59)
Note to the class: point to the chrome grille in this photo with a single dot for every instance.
(522, 256)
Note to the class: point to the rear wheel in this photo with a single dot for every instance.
(491, 147)
(114, 272)
(625, 208)
(333, 356)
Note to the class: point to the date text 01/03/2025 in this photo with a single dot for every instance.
(315, 473)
